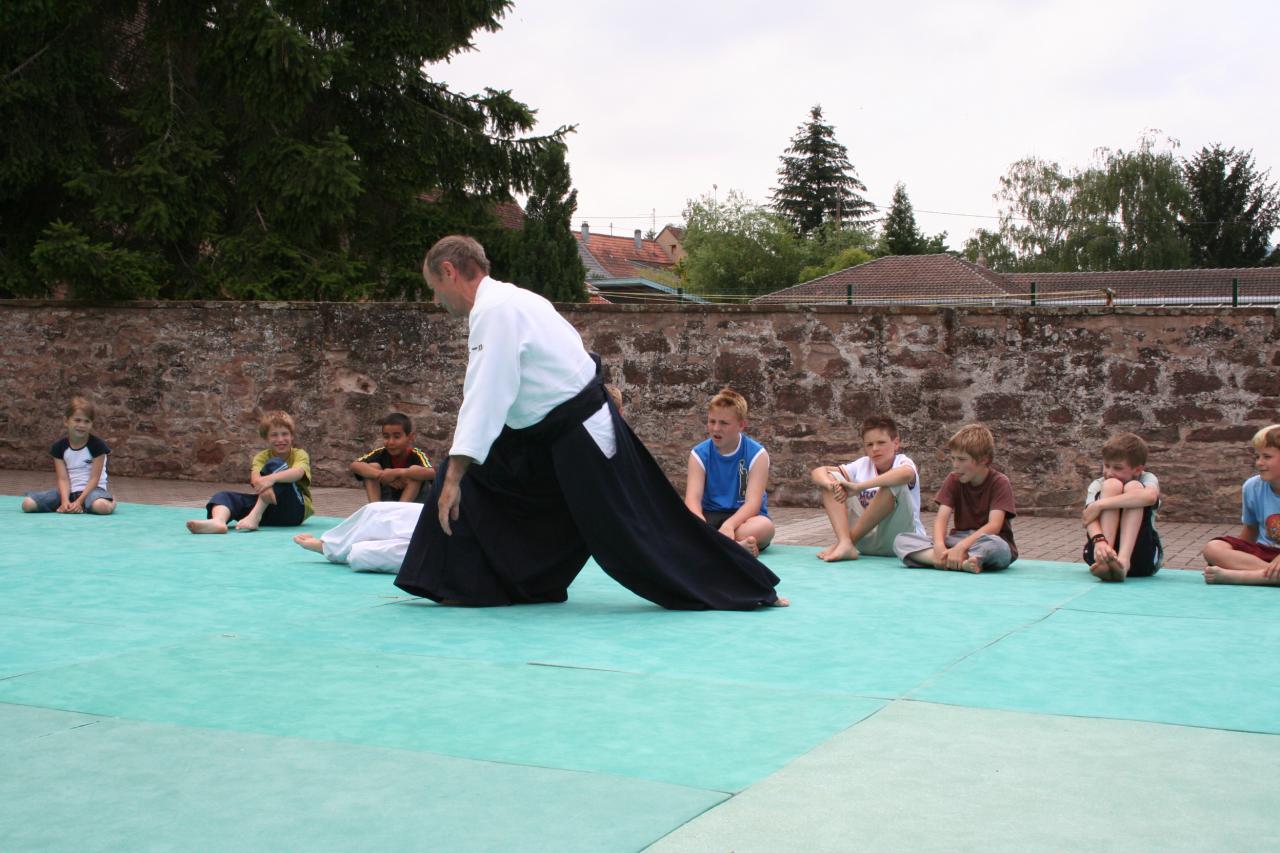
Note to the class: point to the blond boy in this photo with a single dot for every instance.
(980, 501)
(728, 474)
(280, 477)
(880, 489)
(1253, 557)
(1120, 513)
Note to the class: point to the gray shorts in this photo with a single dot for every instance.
(879, 541)
(992, 551)
(50, 501)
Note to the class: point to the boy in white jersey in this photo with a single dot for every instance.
(728, 474)
(80, 463)
(880, 490)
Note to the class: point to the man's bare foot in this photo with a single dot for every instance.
(780, 602)
(311, 543)
(971, 565)
(244, 525)
(839, 551)
(206, 525)
(750, 544)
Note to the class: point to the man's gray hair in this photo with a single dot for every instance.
(465, 253)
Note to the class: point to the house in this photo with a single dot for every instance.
(671, 239)
(948, 280)
(629, 269)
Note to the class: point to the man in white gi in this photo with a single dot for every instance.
(374, 538)
(544, 473)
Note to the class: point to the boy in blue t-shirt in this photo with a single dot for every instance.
(1253, 557)
(80, 463)
(727, 476)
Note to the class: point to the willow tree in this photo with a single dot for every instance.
(253, 149)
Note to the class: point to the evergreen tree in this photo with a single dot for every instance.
(263, 148)
(817, 184)
(900, 235)
(546, 259)
(1233, 209)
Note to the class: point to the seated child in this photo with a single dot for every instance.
(374, 538)
(80, 463)
(727, 476)
(1120, 513)
(886, 489)
(981, 501)
(281, 481)
(396, 470)
(1253, 557)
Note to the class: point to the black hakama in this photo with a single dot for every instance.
(547, 497)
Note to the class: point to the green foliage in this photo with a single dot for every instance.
(850, 257)
(817, 183)
(901, 235)
(546, 258)
(737, 247)
(990, 248)
(94, 271)
(1232, 211)
(257, 149)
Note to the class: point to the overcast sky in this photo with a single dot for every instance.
(671, 98)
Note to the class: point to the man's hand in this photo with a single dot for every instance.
(450, 504)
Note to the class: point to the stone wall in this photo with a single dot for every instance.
(179, 386)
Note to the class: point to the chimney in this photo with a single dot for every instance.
(586, 233)
(638, 245)
(981, 260)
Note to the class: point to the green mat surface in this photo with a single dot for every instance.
(128, 628)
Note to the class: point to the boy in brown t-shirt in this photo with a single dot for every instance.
(981, 501)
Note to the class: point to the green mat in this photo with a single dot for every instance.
(114, 785)
(134, 620)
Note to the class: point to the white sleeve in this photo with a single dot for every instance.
(493, 380)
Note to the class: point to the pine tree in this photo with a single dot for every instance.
(263, 148)
(546, 257)
(900, 235)
(1233, 209)
(817, 184)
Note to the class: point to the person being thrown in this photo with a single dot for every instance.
(543, 472)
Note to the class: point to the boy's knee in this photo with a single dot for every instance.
(1112, 486)
(820, 476)
(1215, 548)
(28, 505)
(103, 506)
(1133, 486)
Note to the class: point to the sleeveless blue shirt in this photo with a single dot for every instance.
(726, 480)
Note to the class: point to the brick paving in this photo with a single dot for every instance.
(1039, 538)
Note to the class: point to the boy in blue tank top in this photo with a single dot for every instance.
(727, 476)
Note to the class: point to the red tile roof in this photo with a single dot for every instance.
(510, 214)
(620, 258)
(938, 279)
(927, 278)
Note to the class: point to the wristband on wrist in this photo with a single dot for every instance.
(1098, 537)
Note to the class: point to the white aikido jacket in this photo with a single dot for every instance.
(524, 359)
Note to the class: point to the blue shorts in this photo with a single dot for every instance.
(289, 509)
(50, 501)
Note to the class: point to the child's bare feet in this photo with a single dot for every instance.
(206, 525)
(839, 551)
(750, 544)
(1214, 574)
(1101, 570)
(972, 566)
(244, 525)
(1116, 569)
(311, 543)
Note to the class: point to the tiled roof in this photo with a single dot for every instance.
(928, 278)
(510, 214)
(946, 278)
(619, 257)
(1153, 284)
